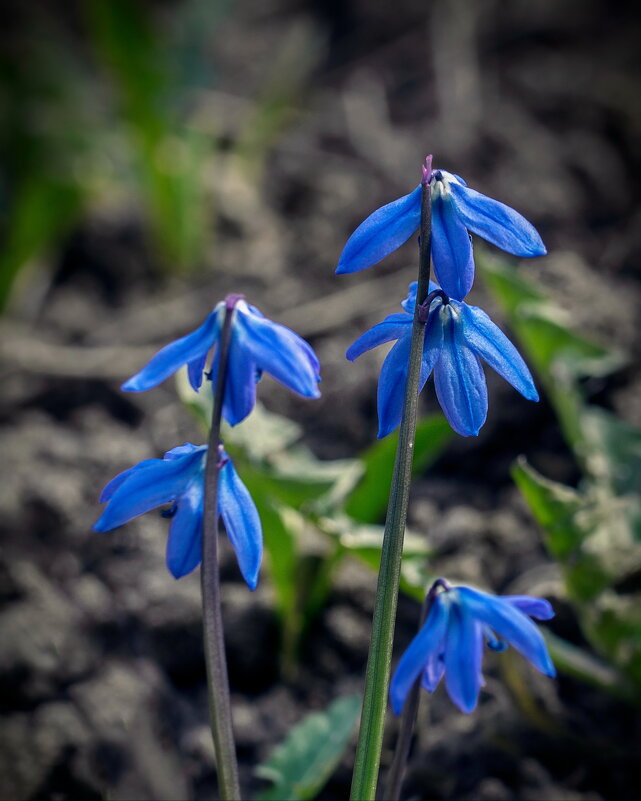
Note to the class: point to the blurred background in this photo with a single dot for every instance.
(157, 155)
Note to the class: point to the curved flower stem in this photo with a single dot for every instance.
(370, 739)
(214, 641)
(408, 718)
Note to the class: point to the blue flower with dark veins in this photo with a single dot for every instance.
(179, 479)
(450, 643)
(256, 345)
(457, 337)
(456, 210)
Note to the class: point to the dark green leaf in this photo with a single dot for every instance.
(554, 506)
(611, 450)
(364, 541)
(302, 764)
(368, 501)
(575, 661)
(560, 356)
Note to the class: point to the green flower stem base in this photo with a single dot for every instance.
(368, 752)
(214, 641)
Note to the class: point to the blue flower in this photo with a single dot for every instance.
(451, 642)
(178, 479)
(456, 209)
(456, 335)
(256, 345)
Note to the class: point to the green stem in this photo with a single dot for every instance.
(370, 739)
(213, 635)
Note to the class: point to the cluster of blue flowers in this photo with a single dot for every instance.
(456, 337)
(256, 345)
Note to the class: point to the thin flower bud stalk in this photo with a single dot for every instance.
(408, 719)
(377, 676)
(213, 634)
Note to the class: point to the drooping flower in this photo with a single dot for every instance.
(179, 479)
(460, 621)
(256, 345)
(456, 335)
(456, 209)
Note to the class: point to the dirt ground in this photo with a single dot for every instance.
(102, 678)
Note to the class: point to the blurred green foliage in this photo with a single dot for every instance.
(301, 765)
(593, 531)
(143, 63)
(316, 513)
(46, 124)
(110, 108)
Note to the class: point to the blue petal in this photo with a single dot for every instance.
(488, 341)
(432, 344)
(394, 326)
(240, 387)
(172, 357)
(538, 608)
(391, 386)
(451, 249)
(512, 625)
(426, 644)
(195, 370)
(493, 641)
(242, 524)
(496, 222)
(184, 546)
(434, 669)
(183, 450)
(240, 384)
(153, 485)
(393, 377)
(460, 383)
(463, 659)
(120, 479)
(409, 303)
(280, 352)
(381, 233)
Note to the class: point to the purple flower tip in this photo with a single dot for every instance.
(232, 299)
(426, 169)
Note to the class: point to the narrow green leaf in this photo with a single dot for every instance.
(560, 356)
(280, 526)
(301, 765)
(577, 662)
(367, 502)
(611, 450)
(364, 541)
(554, 506)
(169, 158)
(42, 212)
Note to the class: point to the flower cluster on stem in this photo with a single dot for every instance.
(200, 485)
(438, 334)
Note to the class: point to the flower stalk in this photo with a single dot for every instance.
(410, 711)
(213, 635)
(368, 752)
(406, 727)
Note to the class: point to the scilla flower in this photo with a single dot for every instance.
(460, 621)
(456, 335)
(257, 344)
(178, 479)
(456, 209)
